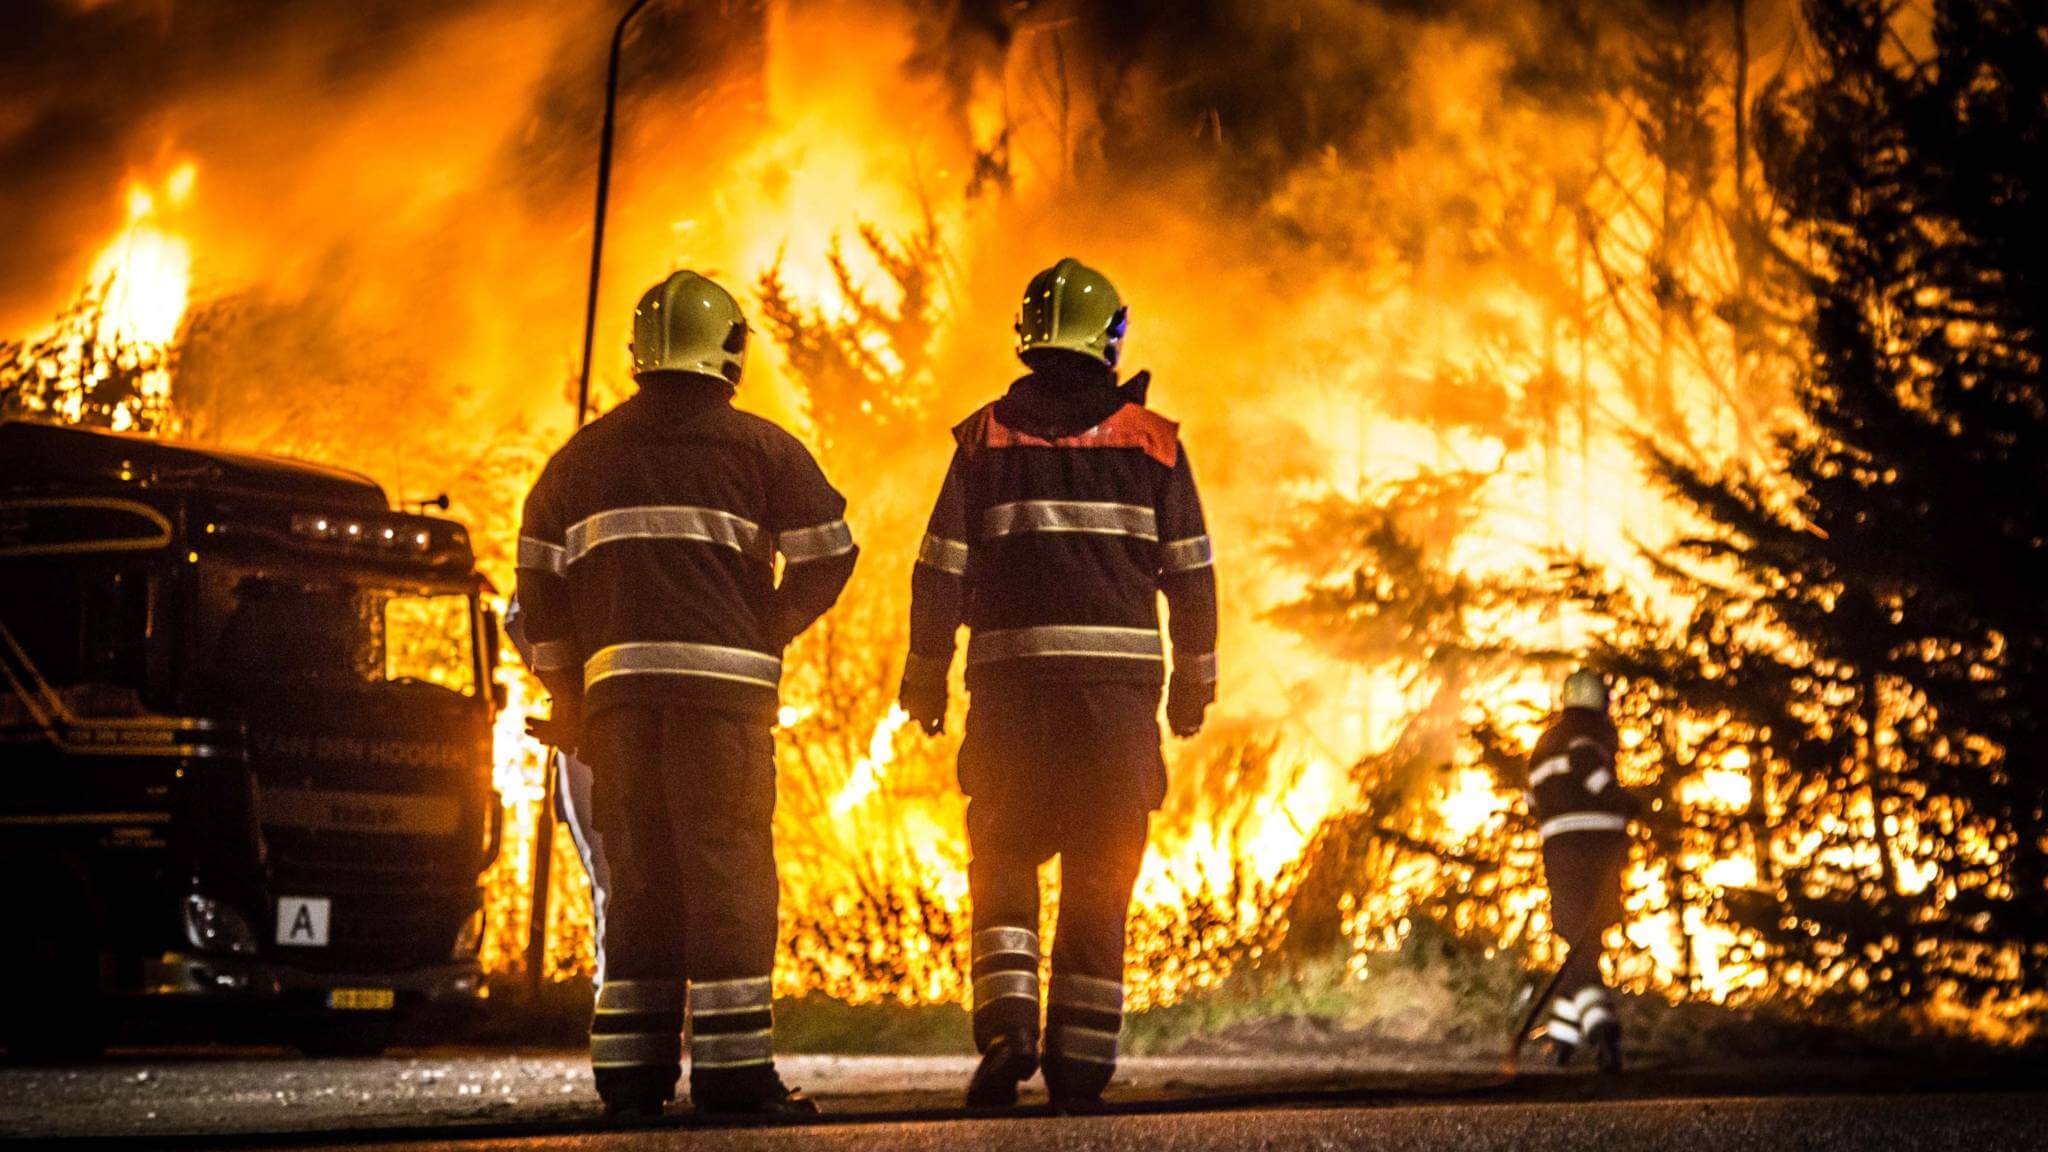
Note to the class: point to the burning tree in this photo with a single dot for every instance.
(1867, 624)
(86, 370)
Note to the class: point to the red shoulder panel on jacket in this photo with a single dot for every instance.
(1131, 426)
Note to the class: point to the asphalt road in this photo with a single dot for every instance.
(485, 1098)
(1896, 1123)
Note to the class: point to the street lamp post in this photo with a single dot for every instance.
(544, 822)
(604, 188)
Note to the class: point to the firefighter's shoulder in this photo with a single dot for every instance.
(771, 439)
(1131, 426)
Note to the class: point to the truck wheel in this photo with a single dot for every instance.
(336, 1041)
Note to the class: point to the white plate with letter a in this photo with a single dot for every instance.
(302, 921)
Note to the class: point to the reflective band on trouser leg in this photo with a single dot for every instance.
(710, 661)
(1005, 966)
(945, 555)
(1084, 1014)
(732, 1024)
(818, 542)
(1105, 519)
(1595, 1006)
(1186, 555)
(638, 1024)
(1065, 640)
(1199, 668)
(1563, 1025)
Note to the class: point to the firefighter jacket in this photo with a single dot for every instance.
(648, 550)
(1572, 787)
(1066, 512)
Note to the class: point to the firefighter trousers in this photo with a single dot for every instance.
(1583, 870)
(1027, 806)
(684, 798)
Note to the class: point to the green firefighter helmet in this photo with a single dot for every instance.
(1073, 308)
(688, 324)
(1584, 688)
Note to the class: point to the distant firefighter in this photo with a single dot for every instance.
(1583, 813)
(1067, 510)
(647, 575)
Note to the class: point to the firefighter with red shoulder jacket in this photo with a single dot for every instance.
(647, 562)
(1583, 814)
(1067, 510)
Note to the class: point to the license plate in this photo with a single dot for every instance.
(361, 999)
(302, 921)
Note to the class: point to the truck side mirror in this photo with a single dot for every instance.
(494, 640)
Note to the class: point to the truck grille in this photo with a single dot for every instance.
(397, 901)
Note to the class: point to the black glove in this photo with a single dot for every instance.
(926, 705)
(561, 728)
(1186, 705)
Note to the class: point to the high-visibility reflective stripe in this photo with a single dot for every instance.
(635, 1049)
(732, 1049)
(1064, 640)
(1069, 516)
(1186, 555)
(554, 656)
(943, 554)
(541, 556)
(678, 522)
(1091, 992)
(624, 996)
(1599, 781)
(926, 671)
(1564, 1009)
(1199, 668)
(1596, 1016)
(1005, 942)
(1561, 1032)
(725, 997)
(1086, 1045)
(1006, 986)
(1555, 766)
(1583, 822)
(818, 542)
(1590, 995)
(678, 659)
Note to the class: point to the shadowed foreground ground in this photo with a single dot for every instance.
(256, 1096)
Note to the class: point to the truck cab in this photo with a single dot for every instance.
(245, 747)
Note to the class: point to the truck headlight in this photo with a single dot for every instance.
(212, 926)
(471, 937)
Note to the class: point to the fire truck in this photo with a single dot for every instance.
(245, 749)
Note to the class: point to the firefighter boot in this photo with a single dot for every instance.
(1606, 1041)
(1007, 1062)
(777, 1100)
(1600, 1024)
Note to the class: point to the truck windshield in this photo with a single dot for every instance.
(279, 629)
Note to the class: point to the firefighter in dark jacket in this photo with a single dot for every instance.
(1068, 508)
(1583, 813)
(647, 563)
